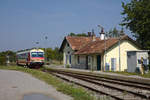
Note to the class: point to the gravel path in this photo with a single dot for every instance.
(14, 85)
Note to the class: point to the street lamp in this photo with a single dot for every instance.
(102, 32)
(7, 62)
(37, 44)
(120, 34)
(46, 37)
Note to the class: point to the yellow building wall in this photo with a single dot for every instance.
(114, 53)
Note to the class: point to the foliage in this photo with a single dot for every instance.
(79, 34)
(137, 19)
(146, 75)
(77, 93)
(53, 54)
(3, 57)
(113, 32)
(67, 66)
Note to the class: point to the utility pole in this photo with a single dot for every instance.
(119, 54)
(102, 32)
(37, 44)
(46, 37)
(7, 62)
(120, 34)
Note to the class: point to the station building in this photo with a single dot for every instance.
(97, 53)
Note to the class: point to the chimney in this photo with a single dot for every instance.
(93, 35)
(89, 34)
(102, 34)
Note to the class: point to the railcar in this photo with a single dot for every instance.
(30, 58)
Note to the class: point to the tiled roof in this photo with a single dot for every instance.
(99, 46)
(96, 47)
(77, 43)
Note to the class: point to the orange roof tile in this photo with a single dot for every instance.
(96, 47)
(77, 43)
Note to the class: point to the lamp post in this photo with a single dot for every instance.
(120, 34)
(119, 55)
(102, 32)
(46, 37)
(37, 44)
(7, 62)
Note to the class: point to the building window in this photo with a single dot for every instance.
(145, 61)
(113, 64)
(70, 59)
(78, 59)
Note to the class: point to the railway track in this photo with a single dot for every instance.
(118, 89)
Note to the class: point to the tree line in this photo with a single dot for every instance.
(112, 33)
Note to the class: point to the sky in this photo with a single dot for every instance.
(25, 22)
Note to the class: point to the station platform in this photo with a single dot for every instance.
(108, 74)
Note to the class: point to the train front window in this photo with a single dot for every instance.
(40, 54)
(37, 54)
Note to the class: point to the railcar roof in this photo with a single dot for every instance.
(30, 50)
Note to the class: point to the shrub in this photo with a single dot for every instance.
(67, 66)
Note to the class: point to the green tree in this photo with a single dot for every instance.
(79, 34)
(58, 55)
(137, 19)
(49, 54)
(53, 54)
(3, 57)
(113, 32)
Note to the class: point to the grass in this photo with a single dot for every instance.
(123, 72)
(147, 75)
(78, 93)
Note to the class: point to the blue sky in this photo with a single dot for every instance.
(24, 22)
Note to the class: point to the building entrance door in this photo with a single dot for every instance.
(86, 62)
(98, 62)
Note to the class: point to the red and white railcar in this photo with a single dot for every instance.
(30, 58)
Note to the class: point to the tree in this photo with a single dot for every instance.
(53, 54)
(137, 19)
(58, 55)
(3, 58)
(49, 54)
(79, 34)
(113, 32)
